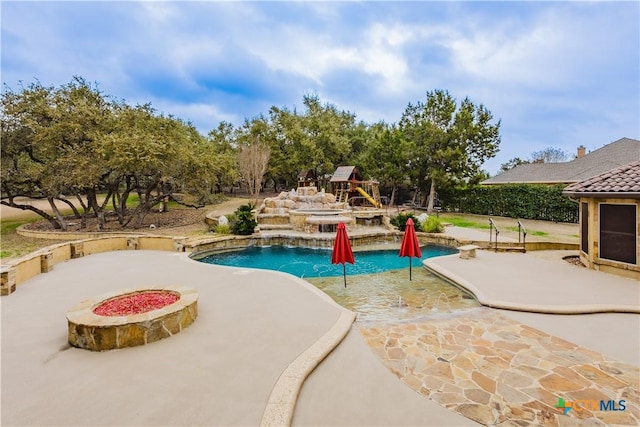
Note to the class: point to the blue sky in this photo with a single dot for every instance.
(557, 74)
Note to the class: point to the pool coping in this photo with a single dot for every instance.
(284, 394)
(201, 248)
(280, 407)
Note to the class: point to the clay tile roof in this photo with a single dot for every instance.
(623, 180)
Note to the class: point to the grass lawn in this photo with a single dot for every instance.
(13, 245)
(537, 230)
(9, 226)
(530, 232)
(461, 221)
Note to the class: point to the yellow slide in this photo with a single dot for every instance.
(368, 197)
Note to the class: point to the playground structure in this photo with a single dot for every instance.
(354, 202)
(349, 187)
(307, 178)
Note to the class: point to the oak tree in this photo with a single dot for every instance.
(448, 140)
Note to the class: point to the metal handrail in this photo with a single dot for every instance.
(493, 226)
(523, 230)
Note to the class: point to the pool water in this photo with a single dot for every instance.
(306, 263)
(391, 297)
(378, 285)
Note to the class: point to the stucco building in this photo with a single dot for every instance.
(610, 220)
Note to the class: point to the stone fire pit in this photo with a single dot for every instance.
(131, 317)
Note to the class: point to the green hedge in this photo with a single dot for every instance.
(524, 201)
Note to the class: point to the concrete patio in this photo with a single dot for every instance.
(523, 282)
(252, 326)
(220, 371)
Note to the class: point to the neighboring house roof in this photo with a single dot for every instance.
(610, 156)
(623, 181)
(343, 173)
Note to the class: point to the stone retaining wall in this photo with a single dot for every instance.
(22, 269)
(69, 235)
(28, 268)
(203, 248)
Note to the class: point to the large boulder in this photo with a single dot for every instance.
(422, 218)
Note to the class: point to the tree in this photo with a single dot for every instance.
(221, 156)
(385, 156)
(448, 141)
(74, 140)
(286, 145)
(320, 138)
(50, 142)
(155, 156)
(328, 133)
(253, 161)
(516, 161)
(550, 155)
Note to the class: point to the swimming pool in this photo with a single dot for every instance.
(306, 262)
(379, 289)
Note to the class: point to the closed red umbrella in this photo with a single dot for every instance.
(410, 246)
(342, 252)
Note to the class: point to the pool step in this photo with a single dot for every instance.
(274, 219)
(508, 249)
(275, 226)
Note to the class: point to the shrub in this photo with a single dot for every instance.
(433, 224)
(243, 222)
(400, 221)
(222, 229)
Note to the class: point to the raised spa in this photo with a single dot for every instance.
(319, 220)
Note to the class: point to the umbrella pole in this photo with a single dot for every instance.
(344, 274)
(409, 268)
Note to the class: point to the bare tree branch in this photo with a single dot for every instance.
(254, 160)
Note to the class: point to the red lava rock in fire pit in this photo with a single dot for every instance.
(131, 317)
(136, 303)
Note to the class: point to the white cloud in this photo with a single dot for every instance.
(552, 71)
(499, 55)
(383, 54)
(160, 12)
(554, 48)
(204, 116)
(375, 51)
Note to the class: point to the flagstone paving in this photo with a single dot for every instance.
(499, 372)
